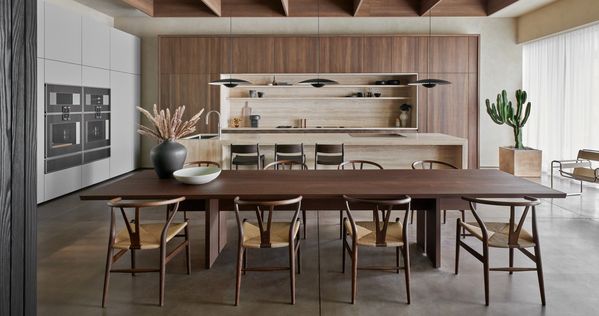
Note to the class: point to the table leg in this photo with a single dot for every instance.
(216, 232)
(433, 233)
(421, 230)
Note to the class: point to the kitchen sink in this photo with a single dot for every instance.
(203, 136)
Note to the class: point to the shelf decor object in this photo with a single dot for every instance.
(318, 82)
(230, 82)
(429, 82)
(168, 156)
(518, 160)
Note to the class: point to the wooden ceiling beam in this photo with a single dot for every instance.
(145, 6)
(426, 6)
(496, 5)
(285, 4)
(357, 6)
(214, 5)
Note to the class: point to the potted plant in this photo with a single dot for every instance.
(518, 160)
(168, 156)
(404, 116)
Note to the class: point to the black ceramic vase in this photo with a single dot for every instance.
(168, 157)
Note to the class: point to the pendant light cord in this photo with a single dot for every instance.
(428, 43)
(318, 34)
(231, 46)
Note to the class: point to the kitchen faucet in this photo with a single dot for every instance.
(208, 118)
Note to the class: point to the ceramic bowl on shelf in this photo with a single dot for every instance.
(197, 175)
(393, 82)
(379, 82)
(377, 94)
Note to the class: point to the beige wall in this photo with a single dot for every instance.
(557, 17)
(501, 57)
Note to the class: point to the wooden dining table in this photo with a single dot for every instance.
(323, 190)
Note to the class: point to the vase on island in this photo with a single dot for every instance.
(168, 156)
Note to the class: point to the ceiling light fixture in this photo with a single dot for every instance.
(230, 82)
(318, 82)
(429, 83)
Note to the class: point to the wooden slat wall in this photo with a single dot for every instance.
(186, 62)
(17, 157)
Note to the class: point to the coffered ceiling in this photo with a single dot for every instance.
(311, 8)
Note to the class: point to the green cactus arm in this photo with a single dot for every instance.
(520, 99)
(501, 102)
(510, 117)
(491, 110)
(526, 115)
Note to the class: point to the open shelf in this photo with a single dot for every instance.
(325, 87)
(321, 98)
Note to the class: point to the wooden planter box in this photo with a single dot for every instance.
(520, 162)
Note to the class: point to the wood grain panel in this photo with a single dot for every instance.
(181, 8)
(426, 6)
(253, 54)
(460, 8)
(17, 152)
(496, 5)
(295, 54)
(473, 52)
(388, 8)
(473, 121)
(449, 54)
(377, 54)
(409, 54)
(341, 54)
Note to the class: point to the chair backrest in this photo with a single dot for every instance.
(297, 149)
(245, 149)
(286, 165)
(172, 206)
(330, 149)
(515, 224)
(588, 154)
(432, 164)
(359, 165)
(381, 214)
(202, 163)
(264, 210)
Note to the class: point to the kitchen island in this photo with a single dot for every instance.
(391, 150)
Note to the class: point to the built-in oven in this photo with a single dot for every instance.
(63, 99)
(96, 99)
(96, 124)
(96, 130)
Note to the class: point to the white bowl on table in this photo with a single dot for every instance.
(197, 175)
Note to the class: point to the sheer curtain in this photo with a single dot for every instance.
(561, 76)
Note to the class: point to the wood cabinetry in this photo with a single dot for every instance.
(449, 54)
(377, 54)
(296, 54)
(409, 54)
(341, 54)
(253, 54)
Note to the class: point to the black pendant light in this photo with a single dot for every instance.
(230, 82)
(429, 83)
(318, 82)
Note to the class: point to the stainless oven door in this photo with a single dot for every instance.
(96, 130)
(63, 99)
(63, 134)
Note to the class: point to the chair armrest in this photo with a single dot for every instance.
(569, 164)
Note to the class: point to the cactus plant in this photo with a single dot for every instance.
(503, 113)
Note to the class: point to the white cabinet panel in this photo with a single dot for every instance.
(124, 52)
(62, 34)
(95, 172)
(62, 73)
(40, 28)
(40, 131)
(124, 141)
(95, 77)
(62, 182)
(95, 44)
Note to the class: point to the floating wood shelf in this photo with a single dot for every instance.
(327, 86)
(322, 98)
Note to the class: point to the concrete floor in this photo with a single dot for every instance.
(72, 238)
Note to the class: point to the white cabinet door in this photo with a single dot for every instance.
(62, 34)
(95, 44)
(124, 139)
(124, 52)
(40, 131)
(40, 28)
(57, 72)
(95, 172)
(62, 182)
(95, 77)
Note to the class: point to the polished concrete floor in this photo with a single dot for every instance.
(72, 238)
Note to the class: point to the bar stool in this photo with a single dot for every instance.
(510, 235)
(266, 233)
(354, 165)
(435, 164)
(328, 155)
(139, 235)
(294, 152)
(202, 163)
(289, 165)
(246, 155)
(380, 232)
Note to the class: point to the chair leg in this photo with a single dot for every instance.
(343, 243)
(107, 276)
(245, 260)
(162, 274)
(354, 274)
(511, 259)
(305, 222)
(444, 216)
(457, 246)
(463, 220)
(406, 263)
(540, 273)
(240, 256)
(132, 262)
(341, 225)
(397, 258)
(412, 218)
(292, 271)
(299, 259)
(486, 272)
(188, 250)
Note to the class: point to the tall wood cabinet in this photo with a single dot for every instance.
(188, 63)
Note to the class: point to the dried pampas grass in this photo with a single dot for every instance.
(167, 126)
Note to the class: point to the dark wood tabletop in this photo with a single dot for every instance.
(319, 184)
